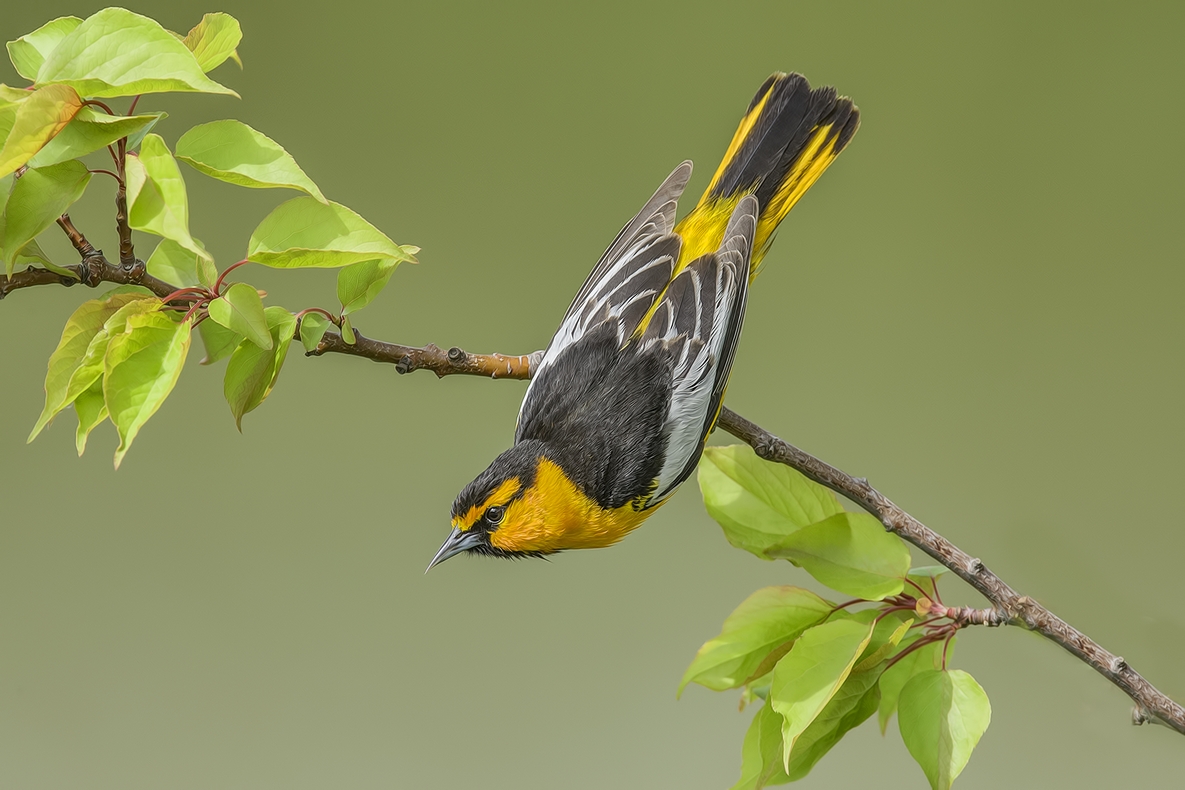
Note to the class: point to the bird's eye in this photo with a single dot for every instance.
(495, 515)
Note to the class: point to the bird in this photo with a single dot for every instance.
(618, 409)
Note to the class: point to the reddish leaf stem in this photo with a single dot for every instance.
(222, 277)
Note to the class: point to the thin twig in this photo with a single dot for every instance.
(127, 253)
(1008, 607)
(1013, 609)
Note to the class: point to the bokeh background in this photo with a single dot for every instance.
(979, 307)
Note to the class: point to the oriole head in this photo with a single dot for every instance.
(494, 515)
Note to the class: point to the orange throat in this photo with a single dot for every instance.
(553, 514)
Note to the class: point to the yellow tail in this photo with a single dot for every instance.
(788, 137)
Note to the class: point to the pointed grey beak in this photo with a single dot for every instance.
(456, 543)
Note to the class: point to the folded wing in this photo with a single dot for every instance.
(698, 323)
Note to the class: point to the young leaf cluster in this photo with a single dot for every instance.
(823, 668)
(107, 365)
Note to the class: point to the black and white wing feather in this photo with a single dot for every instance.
(698, 322)
(630, 276)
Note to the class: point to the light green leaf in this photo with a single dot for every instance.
(90, 368)
(241, 310)
(29, 51)
(851, 706)
(942, 715)
(756, 502)
(37, 199)
(887, 632)
(761, 753)
(36, 120)
(849, 552)
(895, 677)
(137, 138)
(312, 329)
(348, 331)
(141, 367)
(214, 39)
(359, 283)
(91, 410)
(87, 132)
(806, 679)
(178, 266)
(118, 53)
(157, 201)
(232, 151)
(766, 620)
(32, 253)
(252, 371)
(220, 342)
(304, 233)
(81, 328)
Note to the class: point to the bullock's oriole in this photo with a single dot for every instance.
(618, 410)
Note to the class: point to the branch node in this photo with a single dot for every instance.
(764, 450)
(974, 565)
(404, 365)
(135, 270)
(861, 481)
(1118, 664)
(455, 355)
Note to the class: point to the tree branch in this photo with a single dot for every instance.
(1008, 607)
(93, 270)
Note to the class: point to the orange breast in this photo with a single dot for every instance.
(554, 515)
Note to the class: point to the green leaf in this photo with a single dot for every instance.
(766, 620)
(220, 342)
(761, 753)
(118, 53)
(241, 310)
(178, 266)
(136, 139)
(29, 51)
(849, 552)
(232, 151)
(32, 253)
(91, 410)
(887, 632)
(895, 677)
(37, 199)
(756, 502)
(812, 672)
(214, 39)
(141, 367)
(252, 371)
(942, 715)
(157, 201)
(312, 329)
(348, 331)
(359, 283)
(87, 132)
(81, 328)
(852, 705)
(303, 233)
(36, 120)
(90, 368)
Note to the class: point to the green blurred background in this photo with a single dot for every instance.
(978, 307)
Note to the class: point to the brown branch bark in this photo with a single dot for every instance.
(127, 253)
(1008, 606)
(1013, 608)
(93, 270)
